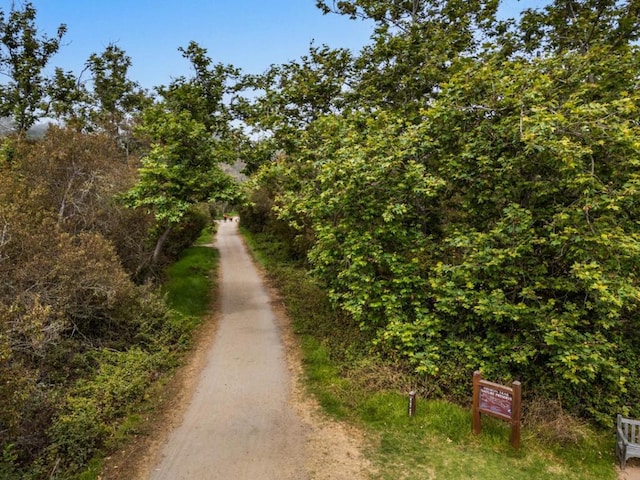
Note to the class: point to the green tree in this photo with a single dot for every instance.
(189, 135)
(288, 98)
(490, 220)
(204, 95)
(541, 244)
(67, 99)
(115, 97)
(580, 25)
(180, 171)
(415, 46)
(23, 57)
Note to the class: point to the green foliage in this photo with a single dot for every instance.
(79, 433)
(186, 233)
(203, 96)
(537, 266)
(95, 405)
(581, 25)
(478, 212)
(115, 95)
(7, 463)
(292, 96)
(121, 378)
(23, 57)
(437, 442)
(29, 95)
(414, 48)
(110, 105)
(182, 168)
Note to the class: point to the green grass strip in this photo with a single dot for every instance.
(189, 281)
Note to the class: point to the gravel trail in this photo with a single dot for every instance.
(240, 423)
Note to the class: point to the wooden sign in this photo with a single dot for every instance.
(498, 401)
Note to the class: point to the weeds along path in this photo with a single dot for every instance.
(240, 423)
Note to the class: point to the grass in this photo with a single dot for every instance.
(353, 385)
(189, 281)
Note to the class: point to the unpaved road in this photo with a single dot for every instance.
(247, 418)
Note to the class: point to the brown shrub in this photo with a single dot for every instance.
(547, 420)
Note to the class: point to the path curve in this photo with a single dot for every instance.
(240, 423)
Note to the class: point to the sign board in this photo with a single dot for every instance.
(497, 401)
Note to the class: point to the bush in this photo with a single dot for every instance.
(120, 381)
(75, 331)
(96, 404)
(77, 434)
(496, 231)
(185, 234)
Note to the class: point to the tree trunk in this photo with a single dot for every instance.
(159, 244)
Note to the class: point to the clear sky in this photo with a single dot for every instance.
(249, 34)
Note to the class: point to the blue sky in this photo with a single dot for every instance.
(249, 34)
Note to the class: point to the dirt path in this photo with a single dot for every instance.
(246, 415)
(632, 472)
(239, 423)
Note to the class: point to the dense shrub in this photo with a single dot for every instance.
(79, 340)
(186, 232)
(95, 404)
(76, 178)
(498, 231)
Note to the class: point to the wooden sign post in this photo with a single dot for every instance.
(498, 401)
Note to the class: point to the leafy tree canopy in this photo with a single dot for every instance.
(474, 200)
(189, 135)
(23, 56)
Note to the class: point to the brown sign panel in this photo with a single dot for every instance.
(495, 402)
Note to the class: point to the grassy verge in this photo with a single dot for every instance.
(352, 384)
(189, 281)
